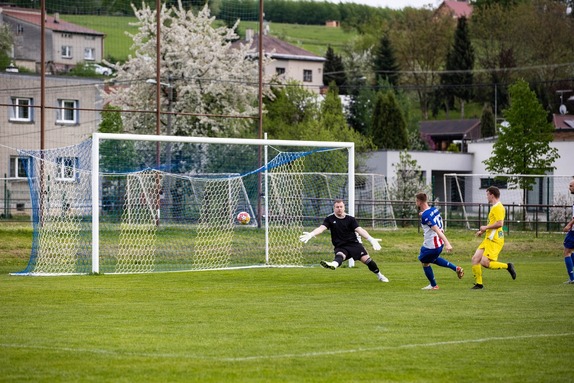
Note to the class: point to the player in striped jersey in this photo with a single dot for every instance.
(434, 241)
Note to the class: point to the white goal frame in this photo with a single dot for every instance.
(265, 143)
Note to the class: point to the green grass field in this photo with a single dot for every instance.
(117, 44)
(293, 325)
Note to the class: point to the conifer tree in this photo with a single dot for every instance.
(334, 70)
(458, 79)
(385, 63)
(389, 127)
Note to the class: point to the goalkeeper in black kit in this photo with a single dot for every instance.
(345, 236)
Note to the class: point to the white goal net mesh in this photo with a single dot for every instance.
(174, 207)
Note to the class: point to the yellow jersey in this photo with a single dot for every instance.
(497, 213)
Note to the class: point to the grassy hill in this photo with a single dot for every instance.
(117, 44)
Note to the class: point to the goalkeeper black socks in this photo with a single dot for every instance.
(372, 265)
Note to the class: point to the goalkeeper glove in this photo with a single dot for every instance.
(375, 243)
(306, 237)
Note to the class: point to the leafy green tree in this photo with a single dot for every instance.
(389, 127)
(523, 146)
(420, 39)
(385, 63)
(333, 124)
(487, 123)
(334, 70)
(289, 111)
(116, 155)
(360, 109)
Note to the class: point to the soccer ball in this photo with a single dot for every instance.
(243, 218)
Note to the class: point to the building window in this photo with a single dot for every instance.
(89, 54)
(19, 29)
(90, 37)
(66, 51)
(307, 75)
(280, 71)
(486, 182)
(66, 35)
(19, 167)
(66, 168)
(67, 112)
(21, 109)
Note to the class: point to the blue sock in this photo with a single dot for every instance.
(569, 267)
(430, 275)
(444, 263)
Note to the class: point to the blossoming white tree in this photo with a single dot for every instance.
(203, 78)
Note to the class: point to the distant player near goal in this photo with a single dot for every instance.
(345, 232)
(486, 255)
(569, 242)
(434, 241)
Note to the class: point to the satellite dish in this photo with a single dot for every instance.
(563, 109)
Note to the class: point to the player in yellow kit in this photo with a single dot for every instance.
(486, 255)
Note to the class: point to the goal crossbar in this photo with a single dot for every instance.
(265, 143)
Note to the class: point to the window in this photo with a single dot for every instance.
(66, 168)
(280, 71)
(66, 35)
(19, 166)
(90, 37)
(67, 114)
(21, 109)
(66, 51)
(19, 29)
(89, 54)
(486, 182)
(307, 75)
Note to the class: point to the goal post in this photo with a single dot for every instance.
(282, 187)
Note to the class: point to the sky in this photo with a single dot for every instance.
(394, 4)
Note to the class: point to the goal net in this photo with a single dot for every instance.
(527, 198)
(170, 203)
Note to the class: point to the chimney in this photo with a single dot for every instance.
(56, 18)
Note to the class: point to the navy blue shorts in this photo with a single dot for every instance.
(569, 240)
(429, 255)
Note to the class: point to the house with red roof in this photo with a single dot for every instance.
(289, 62)
(456, 9)
(67, 44)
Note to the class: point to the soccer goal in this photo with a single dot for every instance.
(527, 198)
(122, 203)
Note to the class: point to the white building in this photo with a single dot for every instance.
(67, 44)
(71, 116)
(434, 165)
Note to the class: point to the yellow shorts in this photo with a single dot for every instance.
(491, 249)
